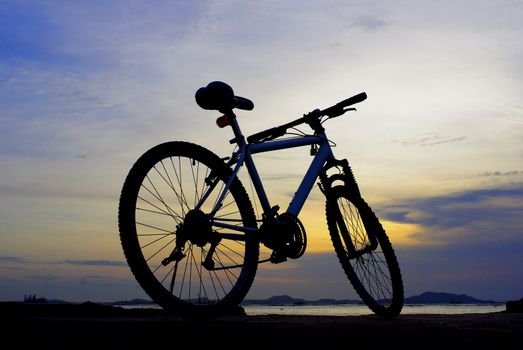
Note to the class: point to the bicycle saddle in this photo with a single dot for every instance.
(219, 96)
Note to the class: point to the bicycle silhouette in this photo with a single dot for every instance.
(191, 236)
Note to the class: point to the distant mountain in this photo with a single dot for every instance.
(287, 300)
(424, 298)
(444, 298)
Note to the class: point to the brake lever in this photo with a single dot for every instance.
(341, 112)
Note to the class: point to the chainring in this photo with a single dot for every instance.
(297, 238)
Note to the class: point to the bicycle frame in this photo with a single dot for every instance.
(244, 156)
(194, 240)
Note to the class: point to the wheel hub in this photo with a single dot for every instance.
(197, 227)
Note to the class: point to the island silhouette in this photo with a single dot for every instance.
(423, 298)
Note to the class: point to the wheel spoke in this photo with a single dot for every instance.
(167, 253)
(373, 272)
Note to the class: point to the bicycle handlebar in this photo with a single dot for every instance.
(331, 112)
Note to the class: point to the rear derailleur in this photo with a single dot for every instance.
(196, 228)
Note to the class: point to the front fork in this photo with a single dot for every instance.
(327, 185)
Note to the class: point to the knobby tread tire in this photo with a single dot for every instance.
(393, 307)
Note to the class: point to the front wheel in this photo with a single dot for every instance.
(174, 246)
(365, 252)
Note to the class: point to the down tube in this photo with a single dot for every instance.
(324, 153)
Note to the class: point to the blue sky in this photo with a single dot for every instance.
(87, 87)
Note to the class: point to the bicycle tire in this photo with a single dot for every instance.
(375, 275)
(154, 200)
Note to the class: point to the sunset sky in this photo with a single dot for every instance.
(86, 87)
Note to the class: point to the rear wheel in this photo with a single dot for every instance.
(365, 252)
(184, 262)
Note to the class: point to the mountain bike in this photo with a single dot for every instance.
(191, 236)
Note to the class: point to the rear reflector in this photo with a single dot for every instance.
(223, 121)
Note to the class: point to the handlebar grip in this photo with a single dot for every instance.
(353, 100)
(338, 108)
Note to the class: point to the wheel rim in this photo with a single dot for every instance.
(370, 272)
(169, 190)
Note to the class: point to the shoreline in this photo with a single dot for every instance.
(96, 325)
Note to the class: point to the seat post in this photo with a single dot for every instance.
(238, 136)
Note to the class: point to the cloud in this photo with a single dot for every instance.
(96, 262)
(501, 173)
(432, 139)
(43, 278)
(480, 215)
(11, 259)
(369, 23)
(20, 260)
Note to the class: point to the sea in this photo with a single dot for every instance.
(357, 309)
